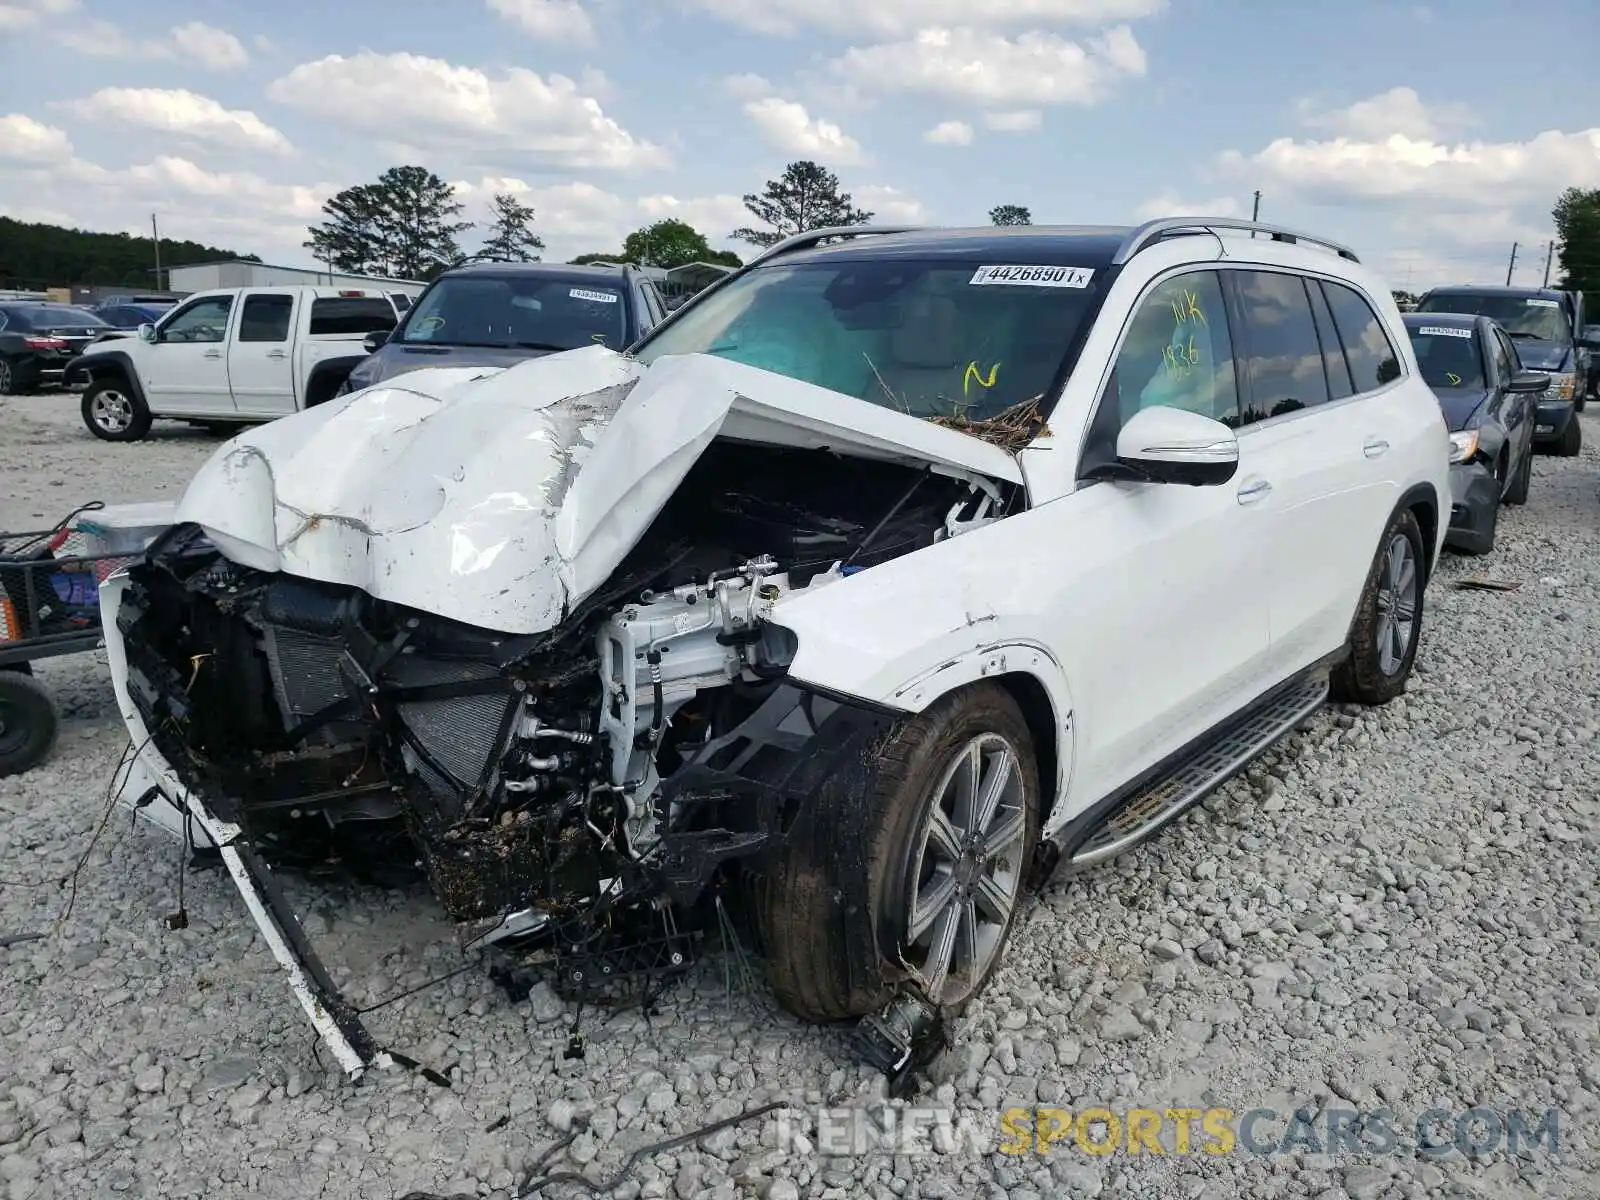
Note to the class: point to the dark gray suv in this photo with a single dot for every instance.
(494, 314)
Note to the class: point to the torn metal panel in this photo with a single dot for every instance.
(507, 503)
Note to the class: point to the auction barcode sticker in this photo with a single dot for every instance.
(1443, 331)
(597, 297)
(1543, 303)
(1022, 275)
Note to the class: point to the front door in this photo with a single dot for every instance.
(1167, 599)
(186, 371)
(260, 358)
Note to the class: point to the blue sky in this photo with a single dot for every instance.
(1429, 137)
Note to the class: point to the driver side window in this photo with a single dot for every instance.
(1178, 353)
(203, 321)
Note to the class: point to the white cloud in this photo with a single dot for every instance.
(1169, 205)
(787, 126)
(1400, 169)
(1398, 111)
(241, 211)
(1020, 121)
(747, 86)
(214, 48)
(194, 42)
(889, 205)
(552, 20)
(181, 112)
(1035, 68)
(714, 216)
(24, 140)
(949, 133)
(516, 116)
(24, 14)
(898, 18)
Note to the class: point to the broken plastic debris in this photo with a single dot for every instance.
(1487, 585)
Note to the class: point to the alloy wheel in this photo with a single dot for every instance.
(6, 378)
(1397, 604)
(112, 411)
(967, 869)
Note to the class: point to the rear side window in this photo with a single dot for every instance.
(1339, 382)
(1285, 357)
(265, 318)
(351, 315)
(1373, 358)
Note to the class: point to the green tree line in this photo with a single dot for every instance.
(35, 256)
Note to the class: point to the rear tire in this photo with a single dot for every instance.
(834, 909)
(28, 723)
(13, 380)
(1571, 439)
(114, 413)
(1378, 667)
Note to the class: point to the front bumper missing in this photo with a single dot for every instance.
(173, 807)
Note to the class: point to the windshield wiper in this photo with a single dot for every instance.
(441, 347)
(540, 346)
(1532, 337)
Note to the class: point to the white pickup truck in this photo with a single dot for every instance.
(229, 357)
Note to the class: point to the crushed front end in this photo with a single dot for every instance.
(574, 795)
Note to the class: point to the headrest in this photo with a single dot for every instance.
(926, 337)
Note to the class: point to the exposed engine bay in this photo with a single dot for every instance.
(590, 781)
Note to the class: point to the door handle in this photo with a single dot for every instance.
(1255, 490)
(1374, 447)
(276, 354)
(213, 354)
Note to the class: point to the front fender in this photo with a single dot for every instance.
(906, 633)
(109, 362)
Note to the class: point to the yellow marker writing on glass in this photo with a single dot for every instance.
(974, 373)
(1186, 307)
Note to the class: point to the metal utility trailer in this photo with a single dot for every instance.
(50, 605)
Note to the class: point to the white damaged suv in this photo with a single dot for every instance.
(888, 573)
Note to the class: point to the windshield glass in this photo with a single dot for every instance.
(1449, 358)
(534, 311)
(1520, 316)
(926, 338)
(51, 316)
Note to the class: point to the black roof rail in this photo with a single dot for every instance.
(813, 237)
(1151, 232)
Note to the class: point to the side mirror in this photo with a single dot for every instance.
(375, 339)
(147, 332)
(1169, 445)
(1528, 381)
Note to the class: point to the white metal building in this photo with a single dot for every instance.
(202, 277)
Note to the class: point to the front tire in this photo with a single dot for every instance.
(13, 382)
(28, 723)
(114, 413)
(919, 861)
(1571, 439)
(1517, 493)
(1388, 624)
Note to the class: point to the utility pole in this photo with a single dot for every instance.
(155, 236)
(1255, 212)
(1549, 253)
(1512, 265)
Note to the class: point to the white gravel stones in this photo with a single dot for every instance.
(1399, 908)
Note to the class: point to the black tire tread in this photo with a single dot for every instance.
(1359, 679)
(24, 690)
(141, 412)
(824, 960)
(1518, 492)
(1571, 442)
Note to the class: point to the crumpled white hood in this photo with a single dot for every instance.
(500, 498)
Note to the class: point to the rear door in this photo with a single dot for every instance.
(260, 363)
(1315, 422)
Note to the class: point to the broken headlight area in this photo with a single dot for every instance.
(572, 796)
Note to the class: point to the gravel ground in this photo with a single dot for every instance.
(1398, 909)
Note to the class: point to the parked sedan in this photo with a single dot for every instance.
(1490, 406)
(38, 341)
